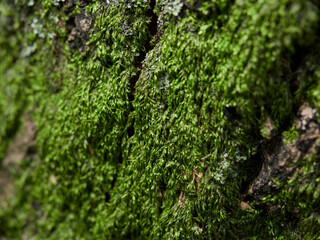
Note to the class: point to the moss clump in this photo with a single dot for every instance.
(143, 138)
(290, 135)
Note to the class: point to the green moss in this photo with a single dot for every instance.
(299, 199)
(290, 135)
(13, 80)
(167, 158)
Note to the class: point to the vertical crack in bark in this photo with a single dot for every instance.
(153, 28)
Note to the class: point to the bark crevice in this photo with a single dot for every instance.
(153, 30)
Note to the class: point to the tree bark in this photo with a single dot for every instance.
(163, 119)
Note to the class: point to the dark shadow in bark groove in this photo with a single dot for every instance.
(153, 29)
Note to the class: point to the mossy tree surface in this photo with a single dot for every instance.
(149, 115)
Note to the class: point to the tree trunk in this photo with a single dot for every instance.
(159, 119)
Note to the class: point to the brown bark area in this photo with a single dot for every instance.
(279, 159)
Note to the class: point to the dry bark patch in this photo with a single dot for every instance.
(15, 154)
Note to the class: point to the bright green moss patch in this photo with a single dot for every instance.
(147, 136)
(290, 135)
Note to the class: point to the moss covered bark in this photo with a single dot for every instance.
(162, 119)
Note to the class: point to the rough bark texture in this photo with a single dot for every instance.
(159, 119)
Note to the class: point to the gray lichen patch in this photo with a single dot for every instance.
(173, 7)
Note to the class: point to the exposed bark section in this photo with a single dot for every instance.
(280, 159)
(22, 146)
(78, 26)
